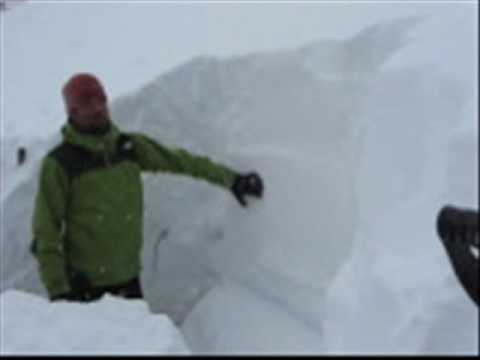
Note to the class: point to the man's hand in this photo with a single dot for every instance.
(248, 184)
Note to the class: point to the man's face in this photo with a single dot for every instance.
(89, 112)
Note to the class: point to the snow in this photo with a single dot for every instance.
(110, 326)
(361, 133)
(233, 312)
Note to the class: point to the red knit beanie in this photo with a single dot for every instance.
(80, 88)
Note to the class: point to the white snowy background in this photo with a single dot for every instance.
(362, 118)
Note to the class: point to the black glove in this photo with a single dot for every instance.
(455, 224)
(248, 184)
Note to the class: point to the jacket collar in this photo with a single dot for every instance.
(100, 144)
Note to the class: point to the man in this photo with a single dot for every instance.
(88, 215)
(458, 230)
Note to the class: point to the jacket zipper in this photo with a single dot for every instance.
(106, 159)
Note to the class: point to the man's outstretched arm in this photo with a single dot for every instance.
(153, 156)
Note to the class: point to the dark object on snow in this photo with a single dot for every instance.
(249, 184)
(458, 230)
(21, 155)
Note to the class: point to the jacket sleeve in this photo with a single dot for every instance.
(49, 227)
(153, 156)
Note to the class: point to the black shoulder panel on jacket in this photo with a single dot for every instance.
(75, 160)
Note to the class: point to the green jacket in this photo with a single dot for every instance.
(88, 216)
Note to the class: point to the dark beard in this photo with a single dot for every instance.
(92, 130)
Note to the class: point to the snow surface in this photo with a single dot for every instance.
(361, 136)
(111, 326)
